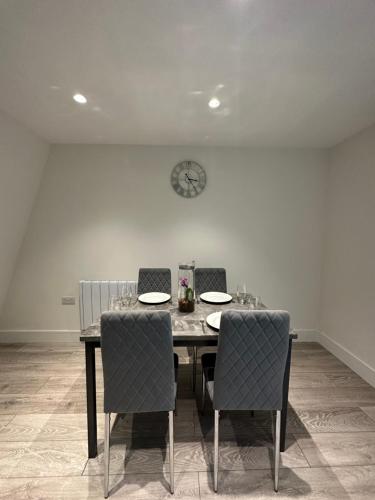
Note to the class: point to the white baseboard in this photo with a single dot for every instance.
(359, 366)
(49, 336)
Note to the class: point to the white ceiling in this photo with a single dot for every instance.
(288, 72)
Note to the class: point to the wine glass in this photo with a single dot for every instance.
(114, 304)
(129, 294)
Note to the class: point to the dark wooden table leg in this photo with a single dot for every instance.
(195, 355)
(284, 411)
(91, 399)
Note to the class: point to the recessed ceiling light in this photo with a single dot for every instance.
(81, 99)
(214, 103)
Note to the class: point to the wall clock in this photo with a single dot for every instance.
(188, 179)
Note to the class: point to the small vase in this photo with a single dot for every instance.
(186, 296)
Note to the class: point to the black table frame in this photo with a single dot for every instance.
(92, 343)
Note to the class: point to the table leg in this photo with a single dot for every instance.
(284, 411)
(91, 399)
(195, 354)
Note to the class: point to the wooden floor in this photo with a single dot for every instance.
(43, 448)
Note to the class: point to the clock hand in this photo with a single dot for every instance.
(190, 178)
(192, 185)
(188, 175)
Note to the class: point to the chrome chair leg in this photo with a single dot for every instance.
(171, 452)
(277, 449)
(203, 392)
(107, 432)
(216, 450)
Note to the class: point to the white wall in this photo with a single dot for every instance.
(22, 159)
(103, 211)
(348, 296)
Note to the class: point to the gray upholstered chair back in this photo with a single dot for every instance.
(251, 360)
(155, 279)
(210, 279)
(138, 369)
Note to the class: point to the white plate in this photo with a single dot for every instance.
(154, 298)
(216, 297)
(213, 320)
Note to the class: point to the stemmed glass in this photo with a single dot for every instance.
(129, 292)
(115, 303)
(125, 298)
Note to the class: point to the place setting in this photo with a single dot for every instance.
(154, 298)
(216, 298)
(243, 298)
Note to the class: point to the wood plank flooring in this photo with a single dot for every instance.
(43, 449)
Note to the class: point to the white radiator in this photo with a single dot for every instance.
(95, 297)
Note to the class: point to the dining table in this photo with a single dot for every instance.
(189, 330)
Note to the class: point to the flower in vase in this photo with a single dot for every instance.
(184, 282)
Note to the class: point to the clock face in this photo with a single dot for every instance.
(188, 179)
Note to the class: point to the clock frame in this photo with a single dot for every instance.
(188, 179)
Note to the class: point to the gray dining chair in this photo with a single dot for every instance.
(210, 279)
(154, 279)
(139, 370)
(247, 372)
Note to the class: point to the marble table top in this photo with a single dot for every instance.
(185, 326)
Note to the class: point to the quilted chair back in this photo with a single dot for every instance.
(251, 360)
(154, 280)
(137, 354)
(210, 279)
